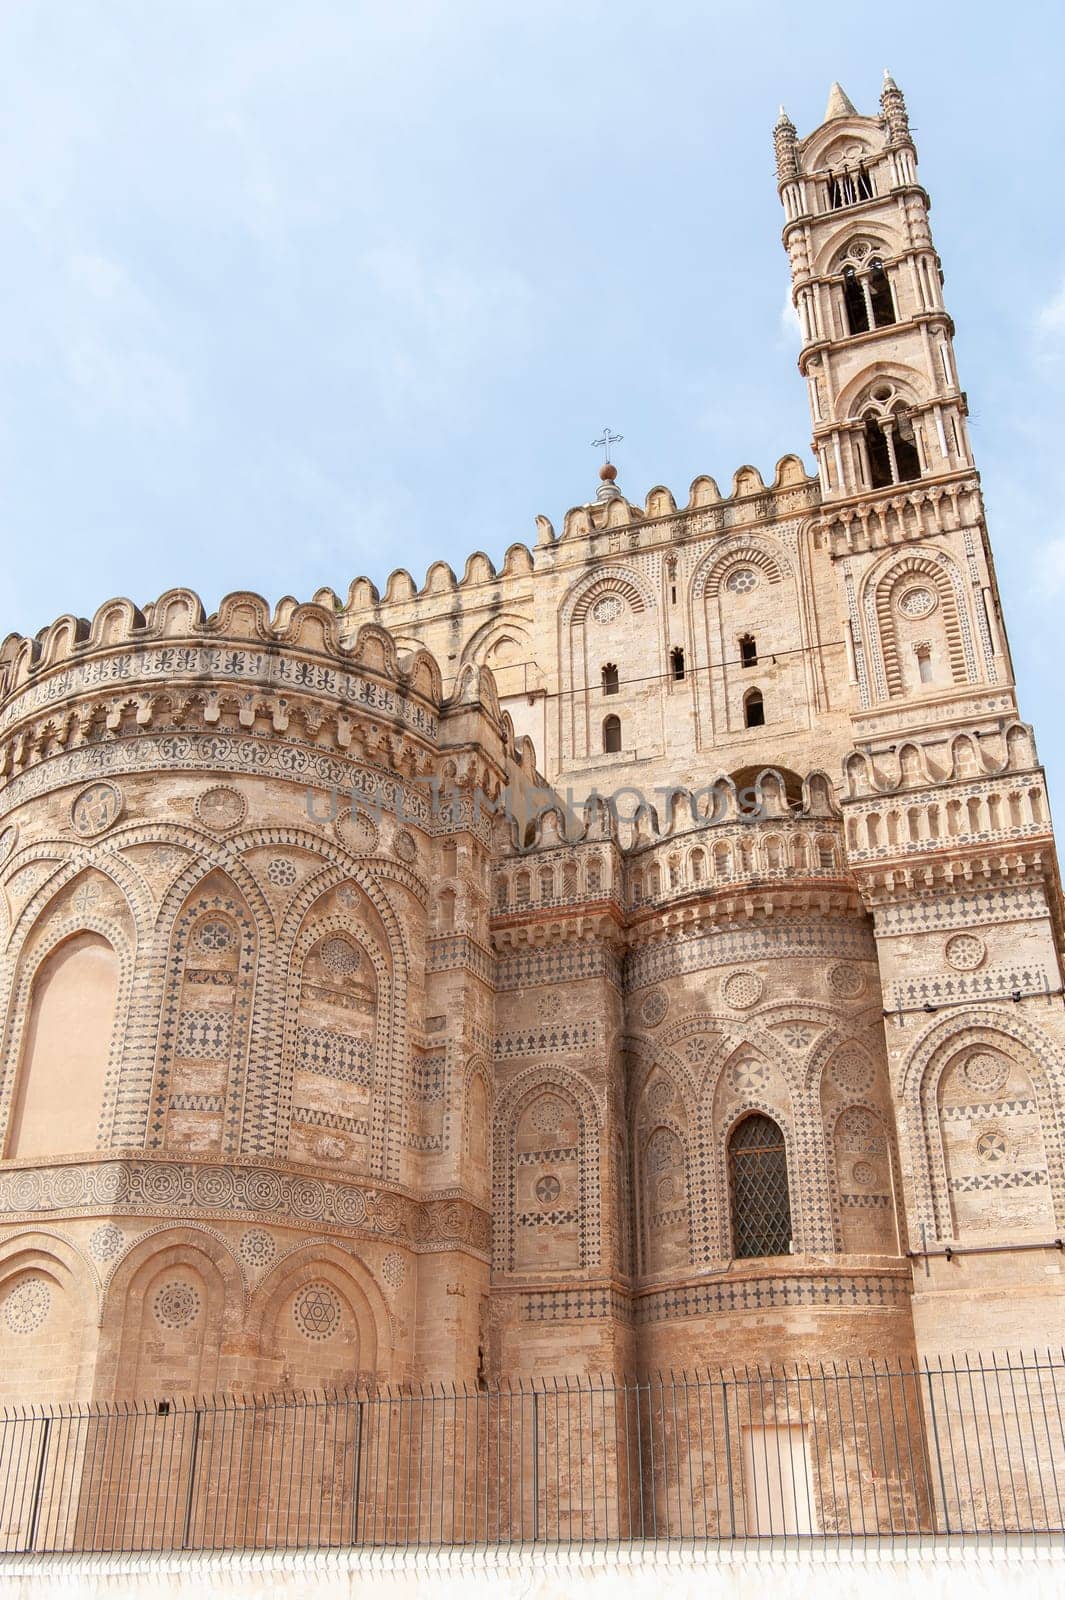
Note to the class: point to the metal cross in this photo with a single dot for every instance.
(606, 441)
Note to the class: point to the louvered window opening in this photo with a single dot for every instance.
(758, 1183)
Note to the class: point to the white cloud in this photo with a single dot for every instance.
(790, 327)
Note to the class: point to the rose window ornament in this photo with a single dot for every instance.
(176, 1304)
(965, 952)
(985, 1072)
(741, 990)
(742, 581)
(608, 608)
(917, 602)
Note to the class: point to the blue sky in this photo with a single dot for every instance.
(290, 292)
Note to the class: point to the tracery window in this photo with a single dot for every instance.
(890, 439)
(867, 297)
(759, 1199)
(849, 187)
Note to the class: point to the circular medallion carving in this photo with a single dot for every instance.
(548, 1188)
(27, 1305)
(356, 832)
(404, 847)
(394, 1269)
(221, 808)
(852, 1072)
(741, 990)
(986, 1072)
(864, 1174)
(991, 1146)
(845, 981)
(176, 1304)
(654, 1007)
(340, 957)
(7, 842)
(917, 601)
(257, 1248)
(316, 1311)
(857, 1127)
(106, 1241)
(349, 1206)
(660, 1095)
(742, 581)
(697, 1049)
(748, 1077)
(282, 873)
(548, 1114)
(608, 608)
(965, 951)
(95, 809)
(263, 1191)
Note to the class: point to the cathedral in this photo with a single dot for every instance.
(641, 954)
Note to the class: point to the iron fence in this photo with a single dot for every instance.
(864, 1449)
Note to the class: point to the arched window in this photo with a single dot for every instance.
(907, 459)
(880, 300)
(676, 661)
(848, 187)
(855, 302)
(924, 662)
(758, 1188)
(753, 709)
(610, 678)
(612, 736)
(890, 443)
(867, 297)
(748, 651)
(876, 447)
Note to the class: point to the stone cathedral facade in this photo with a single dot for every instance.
(641, 955)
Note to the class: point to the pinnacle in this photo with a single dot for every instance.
(889, 82)
(839, 104)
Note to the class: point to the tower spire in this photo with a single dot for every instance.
(893, 109)
(839, 104)
(785, 140)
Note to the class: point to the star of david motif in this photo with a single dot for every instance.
(317, 1311)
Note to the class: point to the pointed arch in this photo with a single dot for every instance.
(949, 1045)
(521, 1129)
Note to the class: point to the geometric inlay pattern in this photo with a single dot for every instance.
(316, 1311)
(176, 1304)
(26, 1307)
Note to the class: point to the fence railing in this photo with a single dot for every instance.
(854, 1450)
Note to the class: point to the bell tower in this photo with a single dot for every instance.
(946, 821)
(877, 350)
